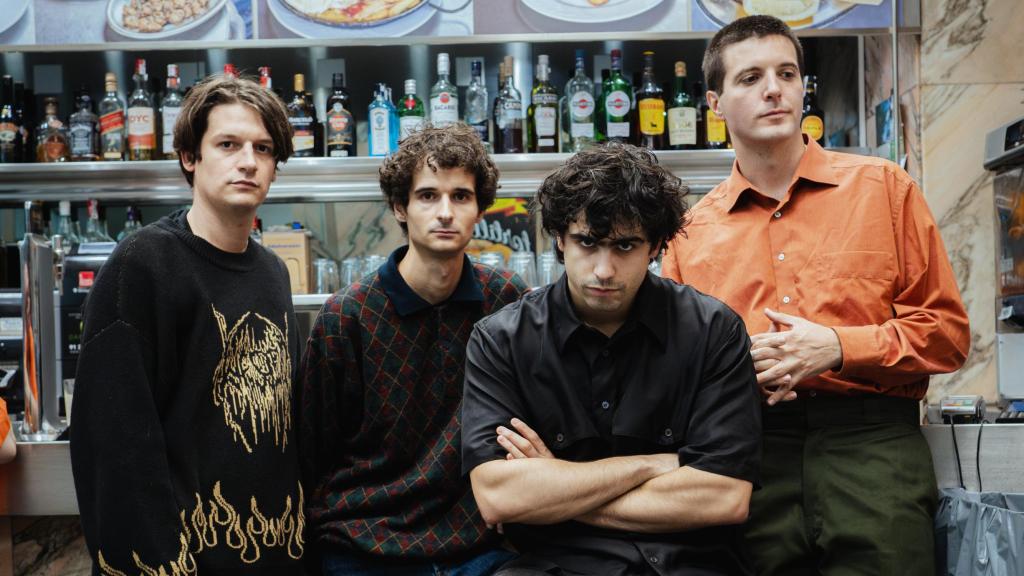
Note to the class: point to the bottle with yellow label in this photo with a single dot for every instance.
(650, 108)
(717, 133)
(813, 122)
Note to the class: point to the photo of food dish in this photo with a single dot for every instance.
(17, 23)
(154, 19)
(352, 12)
(797, 13)
(590, 11)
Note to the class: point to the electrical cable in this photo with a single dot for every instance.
(956, 452)
(977, 455)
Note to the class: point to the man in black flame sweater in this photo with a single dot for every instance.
(182, 448)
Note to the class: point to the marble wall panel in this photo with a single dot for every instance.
(955, 119)
(972, 41)
(50, 546)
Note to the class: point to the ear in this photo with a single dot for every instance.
(655, 250)
(713, 101)
(399, 212)
(188, 161)
(560, 243)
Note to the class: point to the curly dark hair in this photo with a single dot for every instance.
(738, 31)
(613, 185)
(455, 146)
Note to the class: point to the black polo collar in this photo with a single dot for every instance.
(408, 302)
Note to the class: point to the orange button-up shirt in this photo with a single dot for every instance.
(852, 246)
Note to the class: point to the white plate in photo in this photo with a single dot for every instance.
(798, 14)
(307, 28)
(12, 11)
(586, 12)
(115, 19)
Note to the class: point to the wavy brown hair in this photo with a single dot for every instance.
(216, 90)
(455, 146)
(613, 186)
(738, 31)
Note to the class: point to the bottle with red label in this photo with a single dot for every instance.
(141, 117)
(340, 128)
(444, 96)
(111, 121)
(52, 144)
(618, 100)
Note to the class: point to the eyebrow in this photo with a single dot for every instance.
(434, 189)
(613, 240)
(233, 136)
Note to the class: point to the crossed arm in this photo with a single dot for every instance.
(646, 493)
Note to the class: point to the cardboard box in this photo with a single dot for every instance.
(294, 249)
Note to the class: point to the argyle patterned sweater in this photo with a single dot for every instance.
(379, 434)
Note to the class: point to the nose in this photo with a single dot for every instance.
(247, 158)
(604, 266)
(444, 209)
(772, 88)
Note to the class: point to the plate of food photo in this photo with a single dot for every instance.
(590, 11)
(12, 13)
(155, 19)
(333, 18)
(796, 13)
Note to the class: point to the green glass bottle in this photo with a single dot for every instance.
(618, 99)
(411, 116)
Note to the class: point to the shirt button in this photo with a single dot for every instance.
(606, 405)
(778, 214)
(604, 353)
(559, 437)
(785, 299)
(653, 559)
(668, 432)
(812, 393)
(782, 256)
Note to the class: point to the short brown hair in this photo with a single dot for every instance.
(738, 31)
(190, 127)
(455, 146)
(613, 185)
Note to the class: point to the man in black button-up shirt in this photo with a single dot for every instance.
(611, 421)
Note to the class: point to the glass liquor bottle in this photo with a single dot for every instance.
(132, 223)
(141, 118)
(682, 115)
(23, 139)
(382, 118)
(618, 99)
(93, 226)
(65, 227)
(477, 102)
(580, 92)
(83, 128)
(170, 107)
(508, 113)
(230, 71)
(715, 135)
(542, 114)
(444, 97)
(339, 125)
(265, 81)
(111, 121)
(8, 128)
(51, 135)
(300, 115)
(813, 122)
(651, 108)
(410, 112)
(600, 114)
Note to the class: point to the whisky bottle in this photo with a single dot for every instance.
(170, 107)
(111, 121)
(300, 116)
(51, 135)
(141, 118)
(339, 126)
(8, 128)
(83, 128)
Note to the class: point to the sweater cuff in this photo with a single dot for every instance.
(860, 347)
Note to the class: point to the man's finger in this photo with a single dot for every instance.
(510, 446)
(762, 365)
(781, 317)
(780, 370)
(531, 436)
(781, 392)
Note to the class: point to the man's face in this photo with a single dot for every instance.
(762, 92)
(236, 163)
(604, 274)
(442, 211)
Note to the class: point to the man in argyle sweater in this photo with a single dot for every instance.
(381, 379)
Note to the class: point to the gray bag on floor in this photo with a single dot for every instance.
(979, 533)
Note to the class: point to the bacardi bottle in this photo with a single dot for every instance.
(444, 97)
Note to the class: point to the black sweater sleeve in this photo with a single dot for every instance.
(129, 513)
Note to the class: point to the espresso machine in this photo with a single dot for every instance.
(1004, 155)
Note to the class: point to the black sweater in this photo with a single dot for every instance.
(182, 447)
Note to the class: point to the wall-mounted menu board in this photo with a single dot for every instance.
(56, 23)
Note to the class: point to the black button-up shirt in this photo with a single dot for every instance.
(676, 377)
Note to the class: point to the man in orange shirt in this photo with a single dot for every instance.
(838, 270)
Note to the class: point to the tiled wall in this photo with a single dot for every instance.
(972, 81)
